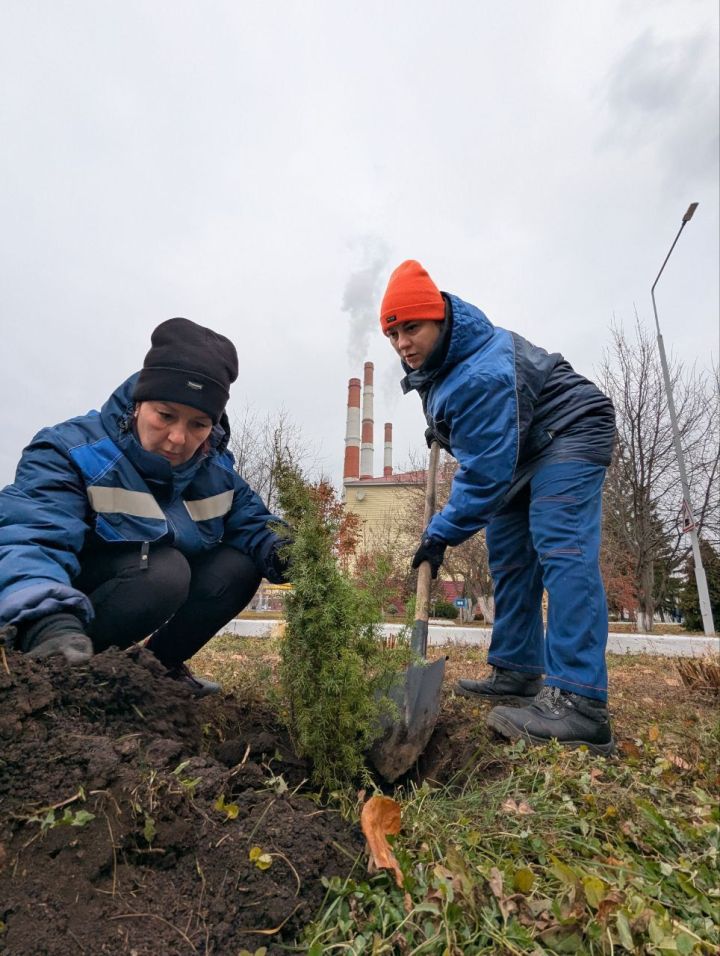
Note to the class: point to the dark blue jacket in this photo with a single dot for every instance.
(502, 406)
(89, 483)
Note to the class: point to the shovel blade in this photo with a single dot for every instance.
(417, 696)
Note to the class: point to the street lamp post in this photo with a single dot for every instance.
(688, 514)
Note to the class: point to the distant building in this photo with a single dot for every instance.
(269, 597)
(380, 502)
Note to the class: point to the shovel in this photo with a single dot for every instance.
(416, 692)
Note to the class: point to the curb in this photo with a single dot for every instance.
(444, 635)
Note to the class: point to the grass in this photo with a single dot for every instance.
(540, 850)
(562, 854)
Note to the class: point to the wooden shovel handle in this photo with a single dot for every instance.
(422, 595)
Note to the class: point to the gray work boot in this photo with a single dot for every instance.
(557, 714)
(55, 634)
(198, 686)
(75, 648)
(502, 685)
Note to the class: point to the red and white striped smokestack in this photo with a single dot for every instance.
(366, 449)
(387, 463)
(351, 469)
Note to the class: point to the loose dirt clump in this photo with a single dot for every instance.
(135, 819)
(460, 745)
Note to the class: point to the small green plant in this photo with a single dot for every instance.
(187, 783)
(231, 810)
(51, 819)
(149, 829)
(334, 669)
(262, 860)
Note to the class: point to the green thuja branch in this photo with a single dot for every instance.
(333, 668)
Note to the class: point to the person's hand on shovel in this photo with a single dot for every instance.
(431, 550)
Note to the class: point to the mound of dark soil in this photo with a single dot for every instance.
(113, 836)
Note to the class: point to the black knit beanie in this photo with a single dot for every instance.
(189, 364)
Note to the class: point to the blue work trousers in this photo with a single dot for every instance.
(548, 536)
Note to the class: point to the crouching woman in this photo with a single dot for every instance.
(131, 522)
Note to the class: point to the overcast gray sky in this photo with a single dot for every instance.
(261, 168)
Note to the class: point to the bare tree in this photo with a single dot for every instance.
(467, 564)
(260, 444)
(644, 494)
(617, 559)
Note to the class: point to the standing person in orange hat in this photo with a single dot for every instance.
(533, 440)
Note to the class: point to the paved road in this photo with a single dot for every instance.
(442, 635)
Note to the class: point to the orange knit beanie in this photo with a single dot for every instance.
(411, 296)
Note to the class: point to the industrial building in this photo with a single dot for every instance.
(379, 501)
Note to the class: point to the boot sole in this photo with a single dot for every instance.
(473, 695)
(197, 692)
(206, 693)
(507, 729)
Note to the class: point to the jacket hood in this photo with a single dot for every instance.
(470, 330)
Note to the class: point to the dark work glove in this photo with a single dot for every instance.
(277, 564)
(432, 550)
(429, 436)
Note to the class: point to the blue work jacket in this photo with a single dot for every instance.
(88, 483)
(502, 406)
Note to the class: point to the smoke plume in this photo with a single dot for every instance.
(363, 291)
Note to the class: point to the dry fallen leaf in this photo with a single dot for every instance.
(612, 861)
(380, 816)
(508, 904)
(495, 882)
(608, 904)
(678, 761)
(444, 875)
(523, 808)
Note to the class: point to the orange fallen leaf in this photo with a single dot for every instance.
(379, 817)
